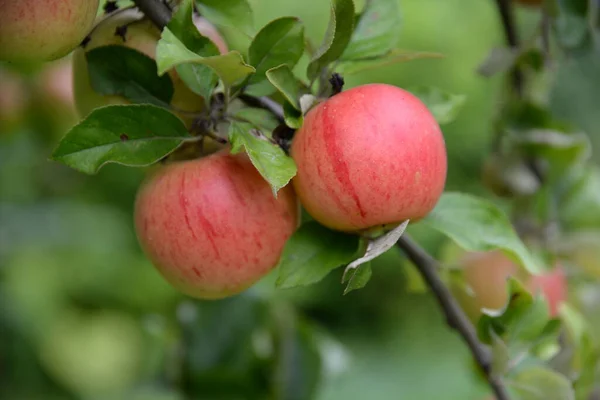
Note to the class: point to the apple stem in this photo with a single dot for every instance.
(455, 316)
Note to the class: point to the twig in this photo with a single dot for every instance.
(455, 316)
(265, 103)
(505, 9)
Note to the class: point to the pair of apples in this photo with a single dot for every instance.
(368, 157)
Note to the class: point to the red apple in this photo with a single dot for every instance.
(369, 156)
(212, 226)
(486, 274)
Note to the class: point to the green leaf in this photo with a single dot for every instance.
(280, 42)
(312, 252)
(377, 32)
(132, 135)
(337, 37)
(269, 159)
(171, 52)
(259, 117)
(292, 117)
(121, 71)
(478, 225)
(284, 80)
(444, 106)
(376, 247)
(201, 79)
(540, 383)
(585, 354)
(358, 277)
(521, 321)
(233, 13)
(562, 150)
(393, 57)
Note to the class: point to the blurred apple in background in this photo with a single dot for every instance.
(486, 275)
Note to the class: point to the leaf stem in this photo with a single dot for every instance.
(455, 316)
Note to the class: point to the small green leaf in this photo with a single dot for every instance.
(337, 37)
(269, 159)
(377, 32)
(444, 106)
(585, 353)
(540, 383)
(280, 42)
(358, 277)
(522, 320)
(292, 117)
(284, 80)
(393, 57)
(562, 150)
(233, 13)
(201, 79)
(312, 252)
(171, 52)
(121, 71)
(478, 225)
(376, 247)
(262, 119)
(132, 135)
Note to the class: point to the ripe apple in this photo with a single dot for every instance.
(212, 226)
(368, 157)
(34, 31)
(140, 34)
(486, 275)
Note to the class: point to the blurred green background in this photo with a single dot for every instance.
(83, 314)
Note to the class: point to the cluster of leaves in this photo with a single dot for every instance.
(544, 166)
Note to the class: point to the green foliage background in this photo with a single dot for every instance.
(84, 315)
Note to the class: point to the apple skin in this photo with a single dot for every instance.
(552, 286)
(140, 35)
(369, 156)
(486, 274)
(212, 226)
(35, 31)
